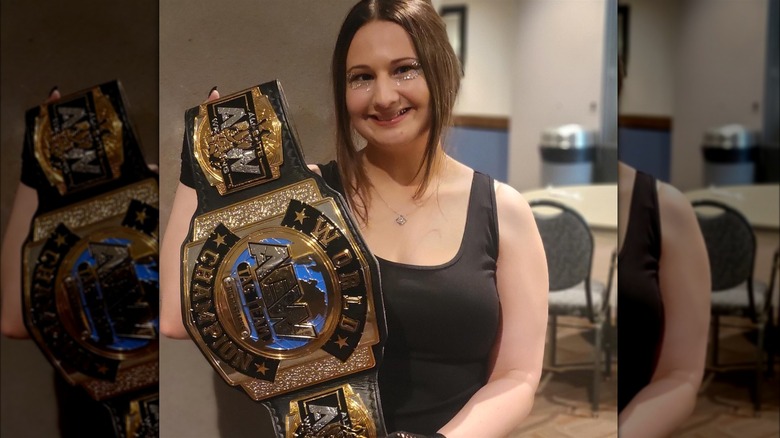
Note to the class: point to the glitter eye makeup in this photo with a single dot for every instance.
(405, 72)
(358, 81)
(408, 72)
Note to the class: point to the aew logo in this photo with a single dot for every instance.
(236, 142)
(328, 415)
(119, 306)
(74, 142)
(232, 147)
(81, 138)
(277, 308)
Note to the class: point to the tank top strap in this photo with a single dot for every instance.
(645, 222)
(481, 233)
(330, 173)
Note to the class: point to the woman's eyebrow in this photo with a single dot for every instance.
(393, 62)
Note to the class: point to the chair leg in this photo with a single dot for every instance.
(596, 389)
(772, 335)
(759, 368)
(715, 338)
(608, 342)
(553, 338)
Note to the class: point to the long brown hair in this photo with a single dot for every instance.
(441, 70)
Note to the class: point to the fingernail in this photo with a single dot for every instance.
(53, 89)
(212, 90)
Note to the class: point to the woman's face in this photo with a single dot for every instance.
(387, 97)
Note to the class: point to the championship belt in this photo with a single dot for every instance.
(90, 262)
(280, 292)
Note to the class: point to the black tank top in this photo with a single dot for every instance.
(442, 321)
(640, 309)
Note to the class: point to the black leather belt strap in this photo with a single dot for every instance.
(279, 291)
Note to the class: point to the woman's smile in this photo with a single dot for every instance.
(387, 95)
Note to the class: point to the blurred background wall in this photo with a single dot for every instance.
(693, 65)
(530, 65)
(73, 45)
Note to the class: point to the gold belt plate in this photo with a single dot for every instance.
(276, 294)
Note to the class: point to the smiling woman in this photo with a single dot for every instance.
(452, 244)
(387, 97)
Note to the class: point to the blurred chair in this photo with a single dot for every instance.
(731, 247)
(568, 244)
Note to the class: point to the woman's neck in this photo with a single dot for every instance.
(403, 167)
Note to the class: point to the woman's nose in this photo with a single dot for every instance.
(385, 92)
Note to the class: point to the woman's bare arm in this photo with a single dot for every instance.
(684, 279)
(521, 277)
(22, 212)
(185, 202)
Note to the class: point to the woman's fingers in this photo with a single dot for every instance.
(54, 95)
(213, 94)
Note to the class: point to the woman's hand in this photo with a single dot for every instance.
(185, 202)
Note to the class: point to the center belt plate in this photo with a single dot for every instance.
(280, 292)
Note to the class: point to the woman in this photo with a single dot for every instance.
(663, 304)
(463, 268)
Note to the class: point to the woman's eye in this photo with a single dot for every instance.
(359, 80)
(407, 72)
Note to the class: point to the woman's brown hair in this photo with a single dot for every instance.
(441, 70)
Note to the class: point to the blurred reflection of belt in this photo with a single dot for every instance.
(90, 261)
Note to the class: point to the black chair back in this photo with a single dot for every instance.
(568, 245)
(731, 246)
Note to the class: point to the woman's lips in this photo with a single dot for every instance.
(393, 120)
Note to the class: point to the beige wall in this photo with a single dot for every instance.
(74, 45)
(557, 75)
(699, 62)
(649, 86)
(487, 82)
(719, 77)
(240, 45)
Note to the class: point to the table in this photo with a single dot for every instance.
(596, 203)
(759, 203)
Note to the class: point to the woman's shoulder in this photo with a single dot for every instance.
(315, 168)
(320, 168)
(512, 207)
(508, 199)
(675, 211)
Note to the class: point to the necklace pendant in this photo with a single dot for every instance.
(400, 220)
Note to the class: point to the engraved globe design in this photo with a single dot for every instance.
(111, 286)
(278, 293)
